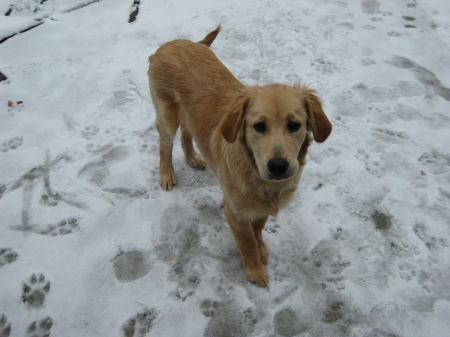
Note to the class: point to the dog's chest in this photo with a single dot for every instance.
(257, 204)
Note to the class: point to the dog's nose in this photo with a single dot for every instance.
(277, 166)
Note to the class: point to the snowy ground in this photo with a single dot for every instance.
(91, 246)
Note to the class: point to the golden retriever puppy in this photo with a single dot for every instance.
(254, 139)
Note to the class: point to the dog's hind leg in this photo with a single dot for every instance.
(167, 123)
(192, 157)
(167, 130)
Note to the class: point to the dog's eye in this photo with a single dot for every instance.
(293, 126)
(260, 127)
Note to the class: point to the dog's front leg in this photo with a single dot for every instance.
(249, 246)
(258, 227)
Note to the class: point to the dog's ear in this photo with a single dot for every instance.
(233, 119)
(318, 122)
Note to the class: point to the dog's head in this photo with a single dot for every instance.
(273, 121)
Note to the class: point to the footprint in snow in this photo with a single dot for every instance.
(7, 255)
(140, 324)
(97, 171)
(63, 227)
(287, 323)
(131, 266)
(5, 327)
(226, 320)
(35, 290)
(40, 328)
(208, 307)
(329, 264)
(11, 144)
(422, 74)
(409, 19)
(370, 6)
(432, 243)
(2, 190)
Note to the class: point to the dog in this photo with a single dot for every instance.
(254, 138)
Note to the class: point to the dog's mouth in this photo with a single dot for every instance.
(276, 178)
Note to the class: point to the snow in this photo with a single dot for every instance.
(362, 250)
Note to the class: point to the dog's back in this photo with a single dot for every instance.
(188, 77)
(185, 66)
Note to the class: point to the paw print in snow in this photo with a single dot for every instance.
(394, 34)
(5, 327)
(433, 243)
(64, 227)
(35, 290)
(40, 328)
(140, 325)
(367, 62)
(272, 228)
(7, 255)
(287, 323)
(209, 307)
(90, 132)
(11, 144)
(2, 190)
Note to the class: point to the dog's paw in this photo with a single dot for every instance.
(197, 162)
(258, 276)
(167, 181)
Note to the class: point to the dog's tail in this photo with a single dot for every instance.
(208, 40)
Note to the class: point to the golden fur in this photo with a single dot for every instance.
(254, 139)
